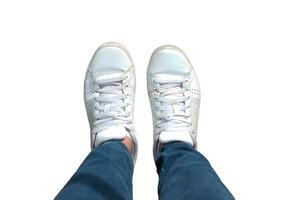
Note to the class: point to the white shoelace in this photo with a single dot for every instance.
(112, 104)
(171, 107)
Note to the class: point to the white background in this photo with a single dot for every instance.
(236, 48)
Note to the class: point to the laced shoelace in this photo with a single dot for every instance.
(112, 104)
(172, 103)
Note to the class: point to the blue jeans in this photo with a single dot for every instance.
(106, 173)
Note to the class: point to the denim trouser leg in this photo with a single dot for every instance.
(185, 174)
(105, 174)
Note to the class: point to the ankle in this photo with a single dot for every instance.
(128, 143)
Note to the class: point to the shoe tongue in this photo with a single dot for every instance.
(175, 108)
(113, 132)
(171, 136)
(107, 95)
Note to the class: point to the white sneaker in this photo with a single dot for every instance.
(174, 95)
(109, 90)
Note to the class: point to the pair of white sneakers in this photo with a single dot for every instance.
(173, 90)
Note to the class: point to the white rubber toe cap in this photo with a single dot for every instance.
(169, 60)
(110, 58)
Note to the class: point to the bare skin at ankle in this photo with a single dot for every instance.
(128, 143)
